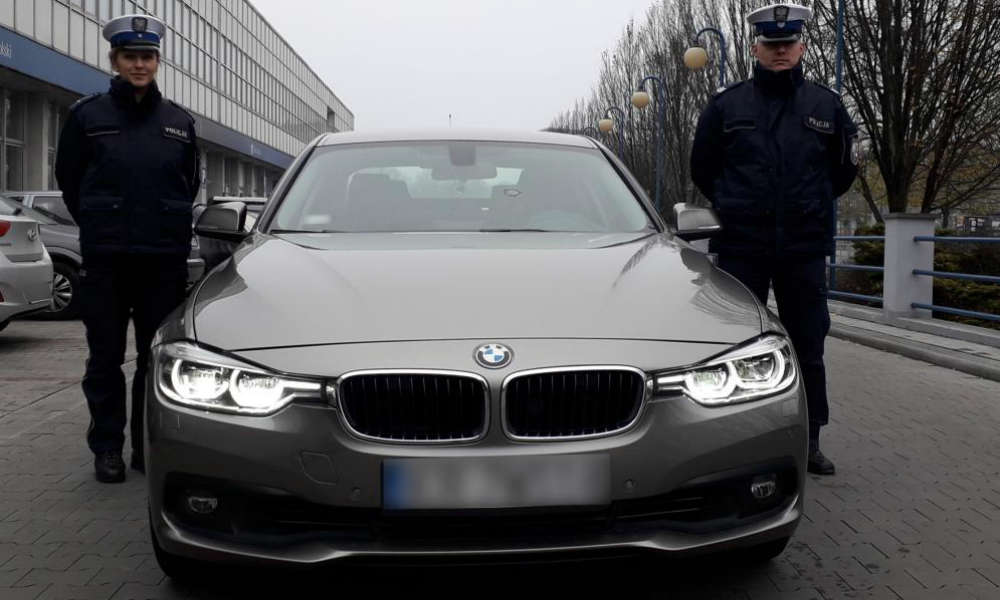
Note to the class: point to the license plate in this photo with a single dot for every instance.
(496, 482)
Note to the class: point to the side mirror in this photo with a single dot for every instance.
(695, 223)
(223, 222)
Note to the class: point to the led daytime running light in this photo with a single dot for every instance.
(183, 375)
(720, 382)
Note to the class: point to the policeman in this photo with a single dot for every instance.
(127, 165)
(772, 154)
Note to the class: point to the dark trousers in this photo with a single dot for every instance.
(114, 289)
(800, 291)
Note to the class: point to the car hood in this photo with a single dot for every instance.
(313, 289)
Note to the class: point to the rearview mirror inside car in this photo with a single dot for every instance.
(451, 172)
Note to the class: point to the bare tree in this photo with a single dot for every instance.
(919, 74)
(922, 76)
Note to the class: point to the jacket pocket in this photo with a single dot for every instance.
(739, 124)
(807, 221)
(175, 223)
(102, 220)
(738, 206)
(102, 130)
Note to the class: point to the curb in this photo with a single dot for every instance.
(944, 357)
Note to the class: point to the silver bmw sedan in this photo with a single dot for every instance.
(468, 344)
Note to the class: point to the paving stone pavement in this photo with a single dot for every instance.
(913, 512)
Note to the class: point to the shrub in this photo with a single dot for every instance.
(977, 259)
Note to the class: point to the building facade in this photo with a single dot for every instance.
(256, 102)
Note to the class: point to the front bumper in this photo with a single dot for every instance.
(300, 489)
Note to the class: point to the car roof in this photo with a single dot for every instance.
(457, 134)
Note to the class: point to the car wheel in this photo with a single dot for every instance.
(65, 283)
(176, 567)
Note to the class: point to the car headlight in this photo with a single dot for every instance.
(195, 377)
(754, 371)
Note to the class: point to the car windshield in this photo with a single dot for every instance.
(458, 186)
(10, 207)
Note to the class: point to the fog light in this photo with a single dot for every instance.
(764, 486)
(201, 503)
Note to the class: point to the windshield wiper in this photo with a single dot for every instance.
(306, 231)
(515, 230)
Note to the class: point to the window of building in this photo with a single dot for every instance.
(43, 21)
(76, 35)
(24, 16)
(14, 115)
(92, 40)
(60, 27)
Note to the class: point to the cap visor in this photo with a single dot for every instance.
(134, 46)
(792, 37)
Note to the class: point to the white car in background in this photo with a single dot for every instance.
(25, 265)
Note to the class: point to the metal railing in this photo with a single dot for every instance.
(961, 276)
(835, 266)
(921, 272)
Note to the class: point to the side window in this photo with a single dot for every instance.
(53, 208)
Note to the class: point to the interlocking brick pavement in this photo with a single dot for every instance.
(913, 512)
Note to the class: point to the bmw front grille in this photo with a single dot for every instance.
(572, 402)
(415, 406)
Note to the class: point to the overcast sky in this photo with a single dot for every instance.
(490, 63)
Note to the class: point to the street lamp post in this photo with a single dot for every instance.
(697, 57)
(607, 124)
(840, 85)
(640, 99)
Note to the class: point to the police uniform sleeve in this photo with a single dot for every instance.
(844, 163)
(71, 163)
(706, 164)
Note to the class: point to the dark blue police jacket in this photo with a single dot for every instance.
(772, 153)
(129, 172)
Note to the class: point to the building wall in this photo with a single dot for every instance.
(250, 92)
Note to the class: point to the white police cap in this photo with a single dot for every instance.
(135, 32)
(779, 22)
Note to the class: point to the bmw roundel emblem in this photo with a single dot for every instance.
(494, 356)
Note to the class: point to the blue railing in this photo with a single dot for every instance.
(835, 266)
(922, 272)
(962, 276)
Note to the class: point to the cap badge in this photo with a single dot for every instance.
(781, 15)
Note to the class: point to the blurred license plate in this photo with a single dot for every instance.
(496, 482)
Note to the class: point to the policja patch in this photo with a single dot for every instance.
(819, 125)
(176, 133)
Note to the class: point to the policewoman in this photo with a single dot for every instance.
(772, 154)
(127, 165)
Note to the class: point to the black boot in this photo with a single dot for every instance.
(819, 464)
(109, 467)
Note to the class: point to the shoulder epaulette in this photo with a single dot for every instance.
(726, 88)
(827, 88)
(182, 109)
(84, 100)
